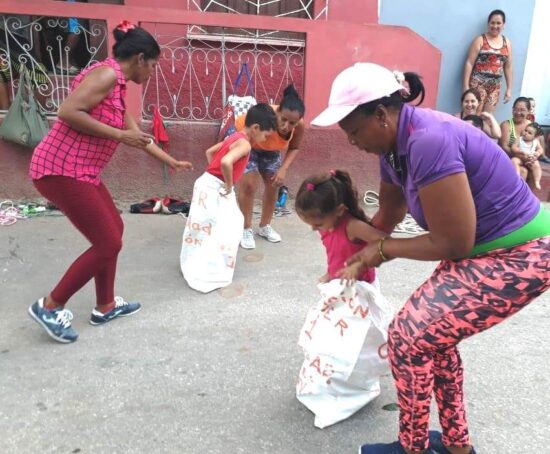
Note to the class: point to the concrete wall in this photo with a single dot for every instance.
(134, 176)
(451, 26)
(330, 47)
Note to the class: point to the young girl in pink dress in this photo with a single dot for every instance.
(329, 204)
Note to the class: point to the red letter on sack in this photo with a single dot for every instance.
(343, 325)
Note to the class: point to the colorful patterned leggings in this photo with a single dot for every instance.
(460, 299)
(91, 210)
(489, 91)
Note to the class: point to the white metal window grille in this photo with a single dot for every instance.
(276, 8)
(194, 77)
(38, 45)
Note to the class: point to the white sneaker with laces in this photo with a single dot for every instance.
(269, 234)
(247, 241)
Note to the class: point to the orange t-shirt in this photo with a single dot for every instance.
(273, 143)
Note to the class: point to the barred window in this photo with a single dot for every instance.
(276, 8)
(279, 8)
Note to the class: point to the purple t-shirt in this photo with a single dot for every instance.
(433, 145)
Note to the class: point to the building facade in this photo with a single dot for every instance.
(205, 45)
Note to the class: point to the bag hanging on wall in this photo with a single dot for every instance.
(25, 123)
(237, 105)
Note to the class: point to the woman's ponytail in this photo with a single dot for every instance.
(416, 88)
(291, 101)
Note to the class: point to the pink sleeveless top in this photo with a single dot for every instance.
(71, 153)
(340, 248)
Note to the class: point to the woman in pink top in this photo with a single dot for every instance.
(329, 204)
(66, 166)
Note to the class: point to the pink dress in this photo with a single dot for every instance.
(71, 153)
(340, 248)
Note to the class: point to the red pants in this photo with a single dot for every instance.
(460, 299)
(92, 211)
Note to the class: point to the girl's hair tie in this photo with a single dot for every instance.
(332, 173)
(399, 77)
(310, 186)
(125, 26)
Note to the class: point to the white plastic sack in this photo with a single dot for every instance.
(211, 237)
(344, 340)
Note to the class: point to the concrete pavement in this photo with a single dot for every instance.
(215, 373)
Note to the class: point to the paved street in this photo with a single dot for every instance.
(215, 373)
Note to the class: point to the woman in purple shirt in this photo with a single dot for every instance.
(483, 223)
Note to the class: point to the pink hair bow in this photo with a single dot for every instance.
(125, 26)
(310, 186)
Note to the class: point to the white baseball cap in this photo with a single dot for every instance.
(356, 85)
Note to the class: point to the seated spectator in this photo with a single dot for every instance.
(531, 117)
(475, 120)
(531, 114)
(526, 152)
(470, 104)
(512, 130)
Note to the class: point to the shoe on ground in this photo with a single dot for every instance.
(57, 323)
(437, 446)
(388, 448)
(269, 234)
(122, 309)
(247, 241)
(544, 159)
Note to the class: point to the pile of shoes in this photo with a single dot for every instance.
(167, 205)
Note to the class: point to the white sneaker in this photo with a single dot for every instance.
(269, 234)
(247, 241)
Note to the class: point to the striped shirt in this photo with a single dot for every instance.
(71, 153)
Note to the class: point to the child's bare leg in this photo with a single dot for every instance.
(517, 164)
(536, 170)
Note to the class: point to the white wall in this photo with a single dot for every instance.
(451, 25)
(536, 81)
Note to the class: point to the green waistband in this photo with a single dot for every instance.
(537, 227)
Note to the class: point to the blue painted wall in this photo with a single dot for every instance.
(451, 25)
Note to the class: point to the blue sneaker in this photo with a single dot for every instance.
(122, 309)
(436, 443)
(57, 323)
(387, 448)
